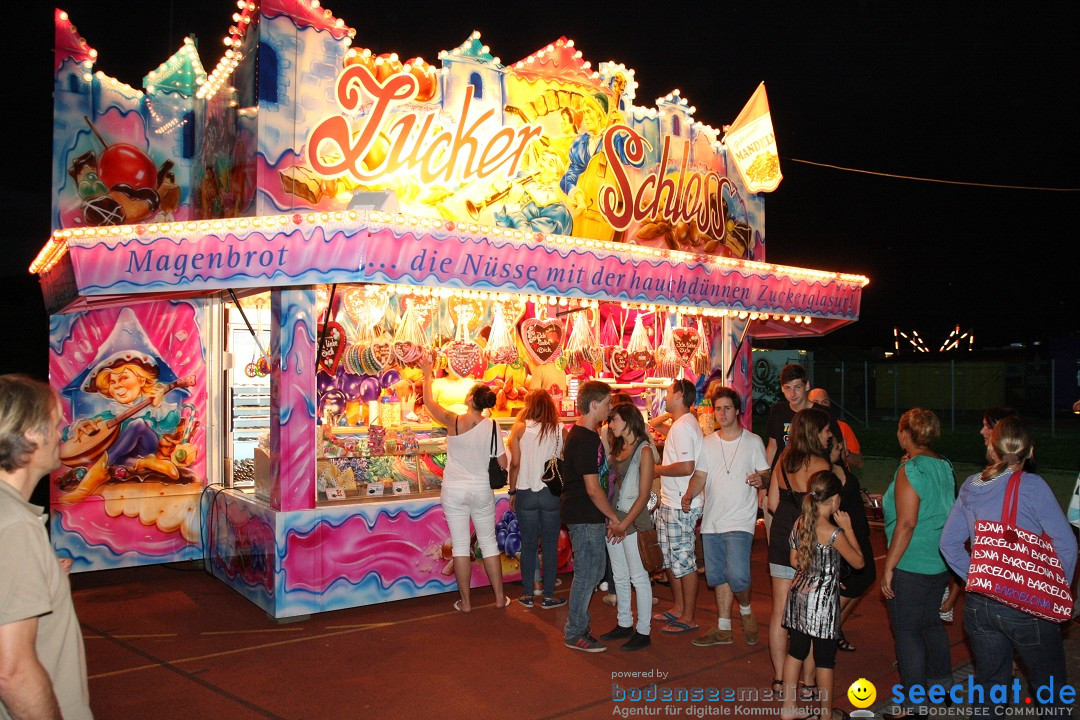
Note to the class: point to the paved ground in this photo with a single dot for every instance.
(173, 642)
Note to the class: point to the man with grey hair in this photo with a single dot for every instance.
(42, 662)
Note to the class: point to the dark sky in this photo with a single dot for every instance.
(980, 92)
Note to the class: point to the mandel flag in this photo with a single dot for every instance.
(752, 143)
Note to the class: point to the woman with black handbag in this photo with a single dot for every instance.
(472, 440)
(535, 442)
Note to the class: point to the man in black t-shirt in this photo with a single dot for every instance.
(796, 388)
(585, 509)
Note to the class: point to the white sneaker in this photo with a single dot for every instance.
(603, 587)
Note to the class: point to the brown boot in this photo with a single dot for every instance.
(165, 467)
(95, 475)
(749, 629)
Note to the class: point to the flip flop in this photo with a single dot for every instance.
(666, 616)
(457, 606)
(675, 627)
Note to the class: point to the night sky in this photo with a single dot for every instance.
(983, 93)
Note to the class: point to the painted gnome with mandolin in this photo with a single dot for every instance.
(142, 439)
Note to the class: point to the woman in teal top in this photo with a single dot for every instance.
(915, 576)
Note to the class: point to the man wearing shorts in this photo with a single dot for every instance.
(729, 458)
(675, 526)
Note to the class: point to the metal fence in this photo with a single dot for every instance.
(959, 391)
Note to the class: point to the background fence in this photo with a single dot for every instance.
(959, 391)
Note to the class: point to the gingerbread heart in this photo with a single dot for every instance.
(616, 358)
(382, 352)
(513, 308)
(464, 358)
(542, 339)
(469, 308)
(407, 353)
(686, 342)
(332, 337)
(424, 308)
(640, 360)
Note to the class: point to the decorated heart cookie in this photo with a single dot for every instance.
(407, 353)
(687, 341)
(471, 308)
(640, 360)
(616, 359)
(513, 308)
(464, 358)
(332, 336)
(382, 351)
(423, 308)
(542, 339)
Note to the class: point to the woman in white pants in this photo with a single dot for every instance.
(466, 494)
(633, 458)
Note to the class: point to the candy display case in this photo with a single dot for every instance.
(532, 224)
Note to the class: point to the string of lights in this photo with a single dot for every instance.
(931, 180)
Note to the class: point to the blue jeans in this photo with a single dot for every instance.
(922, 645)
(590, 560)
(727, 559)
(995, 631)
(538, 519)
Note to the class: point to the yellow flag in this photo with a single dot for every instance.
(752, 144)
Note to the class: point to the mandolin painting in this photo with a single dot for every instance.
(144, 439)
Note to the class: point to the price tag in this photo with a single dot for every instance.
(401, 487)
(374, 489)
(335, 493)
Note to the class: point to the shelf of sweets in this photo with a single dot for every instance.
(379, 479)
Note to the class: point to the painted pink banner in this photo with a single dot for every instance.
(303, 253)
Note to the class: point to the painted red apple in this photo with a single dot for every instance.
(386, 64)
(425, 78)
(127, 164)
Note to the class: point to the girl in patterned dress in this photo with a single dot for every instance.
(812, 616)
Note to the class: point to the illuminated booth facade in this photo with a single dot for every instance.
(247, 263)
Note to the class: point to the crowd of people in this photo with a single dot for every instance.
(820, 555)
(597, 479)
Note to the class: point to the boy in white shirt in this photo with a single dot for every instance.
(729, 458)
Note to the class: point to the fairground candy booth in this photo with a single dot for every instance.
(248, 260)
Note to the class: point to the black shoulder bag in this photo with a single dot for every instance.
(553, 468)
(497, 477)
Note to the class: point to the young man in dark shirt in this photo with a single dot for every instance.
(585, 509)
(795, 385)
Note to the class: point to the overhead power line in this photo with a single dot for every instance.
(930, 180)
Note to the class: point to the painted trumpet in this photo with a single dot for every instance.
(474, 208)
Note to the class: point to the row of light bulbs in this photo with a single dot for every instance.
(540, 300)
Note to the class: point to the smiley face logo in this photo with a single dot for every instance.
(862, 693)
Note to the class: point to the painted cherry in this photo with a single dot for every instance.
(123, 163)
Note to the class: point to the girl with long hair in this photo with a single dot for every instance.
(633, 458)
(995, 630)
(812, 615)
(535, 439)
(807, 453)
